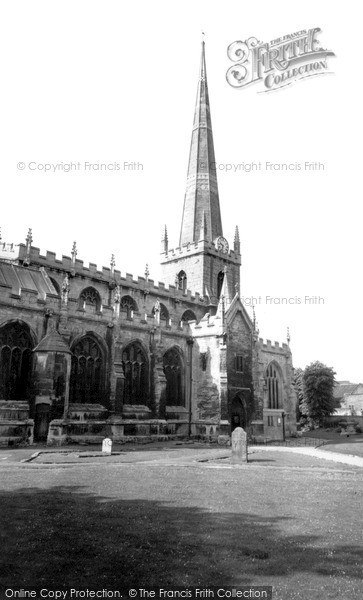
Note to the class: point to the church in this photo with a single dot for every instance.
(87, 354)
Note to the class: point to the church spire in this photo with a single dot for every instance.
(201, 197)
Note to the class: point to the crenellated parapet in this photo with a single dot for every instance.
(197, 247)
(77, 269)
(275, 347)
(8, 252)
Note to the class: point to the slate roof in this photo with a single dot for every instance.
(18, 278)
(342, 389)
(53, 342)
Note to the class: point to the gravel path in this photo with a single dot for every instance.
(347, 459)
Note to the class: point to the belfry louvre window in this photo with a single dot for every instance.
(135, 367)
(239, 363)
(182, 280)
(273, 386)
(87, 376)
(15, 361)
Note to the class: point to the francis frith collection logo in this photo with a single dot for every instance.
(278, 63)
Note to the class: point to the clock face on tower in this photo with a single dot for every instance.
(222, 244)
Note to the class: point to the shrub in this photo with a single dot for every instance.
(338, 430)
(358, 429)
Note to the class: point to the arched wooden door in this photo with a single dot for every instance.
(238, 413)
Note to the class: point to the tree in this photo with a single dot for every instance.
(298, 385)
(318, 385)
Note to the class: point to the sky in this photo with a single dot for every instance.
(108, 81)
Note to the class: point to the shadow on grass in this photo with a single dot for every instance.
(65, 536)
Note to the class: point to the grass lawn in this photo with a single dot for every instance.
(339, 443)
(298, 530)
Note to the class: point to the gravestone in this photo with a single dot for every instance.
(107, 446)
(239, 446)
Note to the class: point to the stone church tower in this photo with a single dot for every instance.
(203, 261)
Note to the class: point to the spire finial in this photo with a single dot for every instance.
(28, 243)
(288, 336)
(165, 240)
(73, 254)
(237, 243)
(147, 272)
(29, 237)
(112, 263)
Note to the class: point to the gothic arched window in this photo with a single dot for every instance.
(90, 297)
(128, 305)
(88, 371)
(181, 280)
(136, 372)
(220, 278)
(16, 346)
(173, 369)
(164, 313)
(188, 315)
(273, 382)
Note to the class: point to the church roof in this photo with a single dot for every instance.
(235, 306)
(53, 342)
(20, 278)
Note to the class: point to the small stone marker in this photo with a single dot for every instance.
(107, 446)
(239, 446)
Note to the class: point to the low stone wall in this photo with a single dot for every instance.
(68, 431)
(15, 426)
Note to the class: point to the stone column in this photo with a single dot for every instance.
(67, 384)
(160, 389)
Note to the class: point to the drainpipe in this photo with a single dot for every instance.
(190, 343)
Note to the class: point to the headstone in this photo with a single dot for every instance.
(107, 446)
(239, 446)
